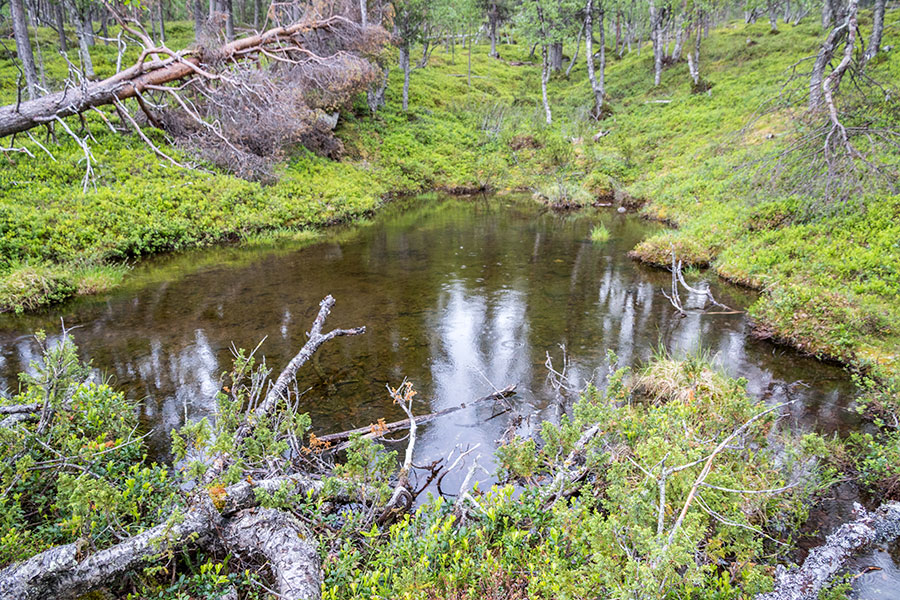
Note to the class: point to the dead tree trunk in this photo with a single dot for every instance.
(824, 562)
(877, 30)
(817, 80)
(23, 46)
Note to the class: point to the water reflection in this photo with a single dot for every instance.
(458, 295)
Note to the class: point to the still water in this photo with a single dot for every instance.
(459, 296)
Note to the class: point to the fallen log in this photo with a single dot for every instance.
(69, 572)
(378, 429)
(823, 563)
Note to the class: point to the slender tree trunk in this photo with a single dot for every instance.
(823, 58)
(23, 46)
(829, 15)
(680, 35)
(656, 39)
(545, 63)
(772, 8)
(104, 25)
(198, 17)
(877, 30)
(160, 16)
(618, 32)
(229, 20)
(88, 26)
(83, 46)
(61, 28)
(545, 78)
(693, 57)
(492, 29)
(363, 13)
(469, 65)
(596, 86)
(602, 75)
(404, 64)
(575, 54)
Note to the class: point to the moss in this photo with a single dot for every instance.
(686, 159)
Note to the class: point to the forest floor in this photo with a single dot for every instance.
(829, 273)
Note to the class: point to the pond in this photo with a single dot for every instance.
(459, 295)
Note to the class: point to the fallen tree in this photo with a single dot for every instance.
(70, 572)
(824, 562)
(237, 102)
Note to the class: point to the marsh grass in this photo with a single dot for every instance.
(599, 234)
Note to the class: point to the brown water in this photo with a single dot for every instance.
(458, 295)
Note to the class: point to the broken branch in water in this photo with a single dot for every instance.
(379, 429)
(675, 297)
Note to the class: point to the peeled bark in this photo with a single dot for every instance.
(23, 46)
(284, 542)
(824, 562)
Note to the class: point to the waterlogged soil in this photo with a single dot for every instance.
(459, 295)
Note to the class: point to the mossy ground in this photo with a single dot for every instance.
(831, 280)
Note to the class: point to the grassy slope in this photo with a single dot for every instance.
(832, 283)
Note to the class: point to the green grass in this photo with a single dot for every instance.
(599, 234)
(830, 280)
